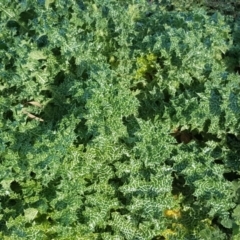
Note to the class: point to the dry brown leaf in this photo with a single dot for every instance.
(32, 116)
(37, 104)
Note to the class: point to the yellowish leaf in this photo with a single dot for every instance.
(37, 55)
(30, 213)
(48, 2)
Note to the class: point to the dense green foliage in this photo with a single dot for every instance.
(120, 120)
